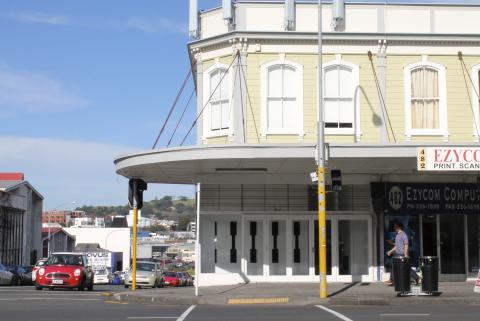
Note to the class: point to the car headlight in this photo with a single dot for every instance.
(41, 271)
(152, 275)
(77, 272)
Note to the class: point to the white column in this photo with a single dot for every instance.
(200, 101)
(289, 247)
(198, 259)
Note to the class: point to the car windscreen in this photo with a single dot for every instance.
(148, 267)
(171, 274)
(65, 259)
(101, 272)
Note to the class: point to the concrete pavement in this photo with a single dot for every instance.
(302, 294)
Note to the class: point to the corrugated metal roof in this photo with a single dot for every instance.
(412, 2)
(8, 186)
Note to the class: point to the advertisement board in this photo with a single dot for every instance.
(99, 260)
(448, 158)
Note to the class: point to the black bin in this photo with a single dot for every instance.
(401, 274)
(429, 267)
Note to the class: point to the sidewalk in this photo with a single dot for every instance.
(301, 294)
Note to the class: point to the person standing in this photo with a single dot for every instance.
(400, 248)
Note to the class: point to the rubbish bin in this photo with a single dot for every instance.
(429, 266)
(401, 274)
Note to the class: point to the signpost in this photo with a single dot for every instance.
(448, 158)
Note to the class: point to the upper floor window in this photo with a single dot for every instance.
(340, 82)
(425, 101)
(217, 87)
(476, 101)
(282, 98)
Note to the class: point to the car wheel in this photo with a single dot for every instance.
(51, 289)
(90, 287)
(126, 286)
(38, 288)
(19, 282)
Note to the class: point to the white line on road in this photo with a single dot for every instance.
(403, 314)
(335, 313)
(180, 318)
(63, 299)
(186, 313)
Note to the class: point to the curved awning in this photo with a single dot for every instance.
(262, 163)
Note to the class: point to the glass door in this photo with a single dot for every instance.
(451, 233)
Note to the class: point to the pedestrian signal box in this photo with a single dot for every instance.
(336, 176)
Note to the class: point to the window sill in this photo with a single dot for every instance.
(216, 133)
(427, 132)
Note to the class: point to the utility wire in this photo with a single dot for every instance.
(384, 108)
(181, 117)
(208, 101)
(174, 105)
(465, 70)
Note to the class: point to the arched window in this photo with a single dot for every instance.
(217, 87)
(425, 100)
(282, 98)
(340, 102)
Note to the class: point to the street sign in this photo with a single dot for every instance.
(314, 177)
(448, 158)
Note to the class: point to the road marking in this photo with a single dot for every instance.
(136, 318)
(403, 314)
(63, 299)
(258, 301)
(115, 302)
(335, 313)
(186, 313)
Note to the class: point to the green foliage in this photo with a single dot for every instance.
(181, 210)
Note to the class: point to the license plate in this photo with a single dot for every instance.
(57, 281)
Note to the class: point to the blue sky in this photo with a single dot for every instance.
(84, 81)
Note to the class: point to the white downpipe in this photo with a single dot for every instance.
(198, 259)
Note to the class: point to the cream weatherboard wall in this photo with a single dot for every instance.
(459, 95)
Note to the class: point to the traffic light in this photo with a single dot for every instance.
(336, 175)
(136, 186)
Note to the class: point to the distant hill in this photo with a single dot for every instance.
(164, 208)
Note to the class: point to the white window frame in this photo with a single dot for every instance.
(442, 104)
(475, 102)
(298, 129)
(207, 132)
(355, 130)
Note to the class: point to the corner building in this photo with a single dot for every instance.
(396, 77)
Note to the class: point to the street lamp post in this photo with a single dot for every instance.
(322, 218)
(49, 216)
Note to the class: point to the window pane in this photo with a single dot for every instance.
(431, 119)
(431, 83)
(331, 82)
(417, 83)
(214, 79)
(289, 114)
(224, 85)
(331, 111)
(289, 85)
(345, 112)
(274, 114)
(216, 116)
(225, 115)
(275, 81)
(346, 82)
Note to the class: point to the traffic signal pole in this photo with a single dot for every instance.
(134, 247)
(322, 215)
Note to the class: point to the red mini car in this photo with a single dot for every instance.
(65, 270)
(171, 279)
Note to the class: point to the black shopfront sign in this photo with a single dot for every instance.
(426, 198)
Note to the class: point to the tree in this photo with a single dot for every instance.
(183, 223)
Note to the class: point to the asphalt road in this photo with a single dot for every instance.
(27, 304)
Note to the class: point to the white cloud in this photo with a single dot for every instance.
(72, 170)
(159, 24)
(40, 17)
(35, 92)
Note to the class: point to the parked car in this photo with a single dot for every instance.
(182, 278)
(148, 274)
(121, 276)
(21, 275)
(102, 276)
(37, 265)
(65, 270)
(6, 277)
(171, 278)
(187, 277)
